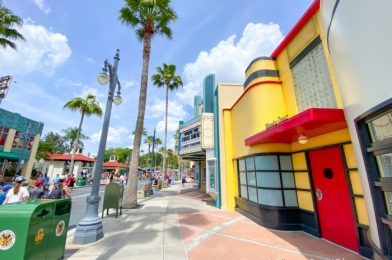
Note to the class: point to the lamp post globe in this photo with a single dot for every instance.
(103, 78)
(117, 100)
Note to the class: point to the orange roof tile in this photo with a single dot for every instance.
(114, 165)
(67, 157)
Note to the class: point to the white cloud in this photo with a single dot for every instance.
(119, 135)
(229, 59)
(176, 113)
(90, 60)
(41, 5)
(42, 51)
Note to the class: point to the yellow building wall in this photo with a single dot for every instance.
(227, 96)
(260, 105)
(261, 65)
(302, 181)
(9, 140)
(28, 166)
(231, 171)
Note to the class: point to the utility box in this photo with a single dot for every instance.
(34, 229)
(113, 198)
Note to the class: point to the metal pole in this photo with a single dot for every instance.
(151, 167)
(90, 228)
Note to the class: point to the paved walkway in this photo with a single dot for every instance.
(176, 225)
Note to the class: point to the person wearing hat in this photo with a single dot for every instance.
(60, 190)
(38, 191)
(4, 191)
(18, 192)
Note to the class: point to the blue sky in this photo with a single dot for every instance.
(67, 42)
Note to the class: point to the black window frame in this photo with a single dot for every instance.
(257, 187)
(378, 185)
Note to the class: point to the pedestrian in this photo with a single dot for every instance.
(122, 178)
(46, 178)
(4, 192)
(18, 192)
(38, 191)
(183, 179)
(59, 190)
(56, 179)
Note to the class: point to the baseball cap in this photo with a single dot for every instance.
(7, 188)
(20, 178)
(62, 177)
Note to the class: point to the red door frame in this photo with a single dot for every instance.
(347, 186)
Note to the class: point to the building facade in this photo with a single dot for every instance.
(60, 163)
(287, 159)
(19, 139)
(196, 141)
(362, 58)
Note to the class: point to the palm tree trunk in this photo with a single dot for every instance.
(156, 155)
(71, 167)
(130, 197)
(166, 114)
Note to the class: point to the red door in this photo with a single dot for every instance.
(333, 200)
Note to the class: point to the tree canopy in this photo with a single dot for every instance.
(8, 33)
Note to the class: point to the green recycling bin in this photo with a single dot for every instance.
(79, 182)
(35, 229)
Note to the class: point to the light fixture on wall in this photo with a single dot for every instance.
(302, 139)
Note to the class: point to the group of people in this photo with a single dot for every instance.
(58, 189)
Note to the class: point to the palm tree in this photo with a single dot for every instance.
(166, 77)
(158, 142)
(8, 34)
(149, 18)
(70, 135)
(148, 141)
(86, 106)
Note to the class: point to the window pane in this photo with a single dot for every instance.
(290, 198)
(250, 164)
(388, 200)
(251, 178)
(269, 162)
(244, 193)
(381, 128)
(312, 82)
(288, 180)
(268, 179)
(270, 197)
(242, 178)
(384, 162)
(252, 194)
(241, 164)
(285, 163)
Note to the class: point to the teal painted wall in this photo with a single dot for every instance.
(20, 123)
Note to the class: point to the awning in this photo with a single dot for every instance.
(311, 122)
(9, 155)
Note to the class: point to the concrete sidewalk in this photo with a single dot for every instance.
(176, 225)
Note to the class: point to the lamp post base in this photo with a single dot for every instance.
(89, 229)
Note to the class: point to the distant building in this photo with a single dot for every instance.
(19, 139)
(114, 166)
(60, 163)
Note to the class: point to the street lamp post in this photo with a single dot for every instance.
(90, 228)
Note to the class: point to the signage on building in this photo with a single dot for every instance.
(190, 139)
(207, 125)
(277, 121)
